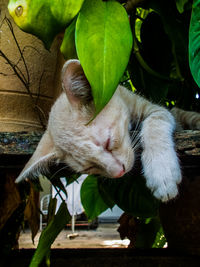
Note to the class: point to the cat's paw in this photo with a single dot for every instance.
(163, 174)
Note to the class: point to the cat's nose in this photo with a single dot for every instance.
(121, 172)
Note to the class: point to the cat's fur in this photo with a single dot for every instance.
(104, 146)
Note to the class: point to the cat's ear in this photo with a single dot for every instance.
(43, 156)
(75, 84)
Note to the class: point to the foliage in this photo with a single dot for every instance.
(158, 64)
(150, 234)
(130, 194)
(44, 18)
(151, 44)
(47, 237)
(133, 197)
(103, 32)
(194, 42)
(92, 201)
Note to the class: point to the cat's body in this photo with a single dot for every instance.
(104, 146)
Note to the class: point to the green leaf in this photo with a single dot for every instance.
(44, 18)
(160, 239)
(72, 178)
(103, 41)
(150, 234)
(65, 10)
(57, 183)
(49, 234)
(51, 209)
(194, 42)
(67, 47)
(35, 17)
(180, 4)
(92, 201)
(131, 195)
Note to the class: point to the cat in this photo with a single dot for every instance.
(104, 146)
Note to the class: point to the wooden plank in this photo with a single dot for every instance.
(22, 143)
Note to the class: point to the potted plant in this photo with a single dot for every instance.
(27, 72)
(154, 59)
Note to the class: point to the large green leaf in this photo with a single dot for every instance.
(103, 41)
(91, 199)
(194, 42)
(130, 194)
(49, 234)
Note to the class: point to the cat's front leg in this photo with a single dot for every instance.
(160, 163)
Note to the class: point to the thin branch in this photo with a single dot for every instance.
(41, 112)
(20, 51)
(6, 74)
(13, 67)
(20, 75)
(23, 51)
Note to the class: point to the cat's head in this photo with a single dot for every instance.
(101, 147)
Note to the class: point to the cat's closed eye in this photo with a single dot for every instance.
(107, 145)
(112, 144)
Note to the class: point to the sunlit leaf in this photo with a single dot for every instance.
(67, 47)
(43, 18)
(65, 10)
(103, 41)
(150, 234)
(160, 239)
(35, 17)
(49, 234)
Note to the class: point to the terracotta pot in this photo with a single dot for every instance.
(181, 217)
(24, 106)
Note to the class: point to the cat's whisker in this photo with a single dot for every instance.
(136, 150)
(136, 146)
(55, 173)
(135, 139)
(138, 123)
(135, 135)
(136, 130)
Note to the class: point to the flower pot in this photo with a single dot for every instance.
(29, 76)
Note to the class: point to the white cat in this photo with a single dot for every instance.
(104, 146)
